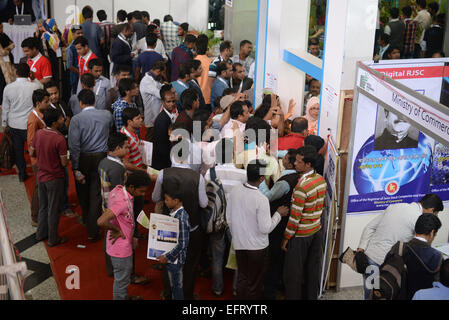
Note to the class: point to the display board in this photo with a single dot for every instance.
(392, 160)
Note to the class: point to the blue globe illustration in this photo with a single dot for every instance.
(375, 169)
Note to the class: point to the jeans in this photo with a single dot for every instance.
(218, 247)
(122, 276)
(50, 194)
(174, 272)
(19, 137)
(366, 290)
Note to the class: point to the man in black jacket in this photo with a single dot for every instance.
(161, 147)
(121, 48)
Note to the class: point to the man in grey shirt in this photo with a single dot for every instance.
(17, 105)
(88, 137)
(92, 31)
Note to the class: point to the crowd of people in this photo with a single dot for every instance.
(138, 83)
(412, 32)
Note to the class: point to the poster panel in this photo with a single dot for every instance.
(163, 235)
(392, 160)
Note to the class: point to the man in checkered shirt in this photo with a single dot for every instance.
(170, 36)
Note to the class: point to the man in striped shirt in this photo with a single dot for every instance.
(303, 237)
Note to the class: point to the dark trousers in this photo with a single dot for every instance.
(19, 137)
(302, 267)
(50, 195)
(192, 261)
(149, 134)
(275, 261)
(35, 197)
(138, 204)
(65, 196)
(252, 266)
(89, 193)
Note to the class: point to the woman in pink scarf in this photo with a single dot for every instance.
(312, 114)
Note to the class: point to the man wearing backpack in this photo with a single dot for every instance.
(228, 176)
(396, 223)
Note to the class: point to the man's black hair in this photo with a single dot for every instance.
(121, 15)
(407, 11)
(50, 84)
(157, 22)
(88, 80)
(260, 130)
(168, 18)
(129, 114)
(201, 45)
(137, 15)
(193, 64)
(222, 66)
(315, 141)
(87, 97)
(51, 116)
(94, 63)
(158, 65)
(126, 84)
(299, 124)
(145, 14)
(225, 45)
(228, 91)
(31, 43)
(314, 42)
(151, 39)
(426, 223)
(291, 153)
(243, 42)
(394, 13)
(123, 68)
(390, 51)
(39, 96)
(173, 186)
(440, 19)
(129, 16)
(138, 179)
(421, 3)
(190, 38)
(101, 15)
(309, 154)
(184, 26)
(224, 151)
(188, 97)
(87, 12)
(81, 40)
(183, 70)
(236, 109)
(165, 89)
(150, 29)
(430, 201)
(385, 37)
(116, 139)
(235, 65)
(23, 70)
(255, 170)
(434, 6)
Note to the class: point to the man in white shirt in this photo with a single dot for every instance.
(246, 47)
(17, 105)
(102, 84)
(249, 219)
(396, 223)
(150, 87)
(229, 177)
(424, 20)
(142, 44)
(239, 115)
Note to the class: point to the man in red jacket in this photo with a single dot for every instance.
(295, 139)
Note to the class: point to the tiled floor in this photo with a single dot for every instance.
(40, 284)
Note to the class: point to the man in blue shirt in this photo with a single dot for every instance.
(92, 31)
(88, 137)
(182, 83)
(128, 90)
(440, 290)
(224, 72)
(72, 59)
(147, 58)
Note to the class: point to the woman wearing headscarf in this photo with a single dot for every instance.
(52, 44)
(7, 72)
(312, 114)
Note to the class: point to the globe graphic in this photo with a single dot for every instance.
(375, 169)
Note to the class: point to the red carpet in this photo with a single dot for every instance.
(94, 283)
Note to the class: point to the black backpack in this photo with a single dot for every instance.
(213, 218)
(392, 277)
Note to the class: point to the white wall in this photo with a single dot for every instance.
(353, 230)
(195, 12)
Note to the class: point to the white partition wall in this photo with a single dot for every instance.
(196, 12)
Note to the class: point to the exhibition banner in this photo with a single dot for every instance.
(163, 235)
(392, 160)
